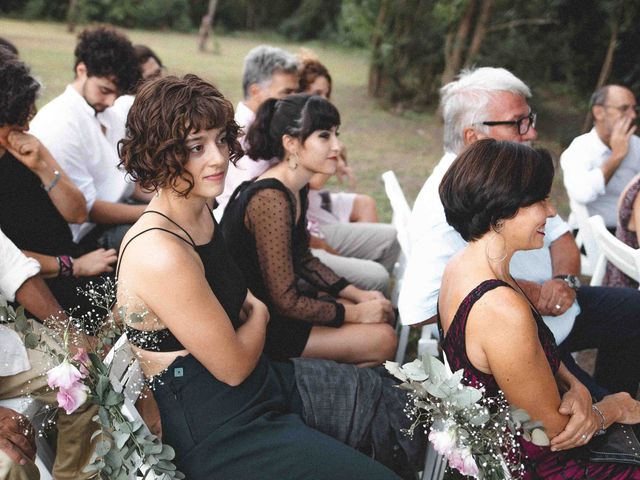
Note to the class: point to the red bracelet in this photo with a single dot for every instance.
(65, 266)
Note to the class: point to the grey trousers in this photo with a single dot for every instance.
(368, 252)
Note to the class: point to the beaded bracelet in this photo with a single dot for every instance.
(65, 266)
(602, 430)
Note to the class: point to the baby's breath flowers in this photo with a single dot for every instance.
(477, 435)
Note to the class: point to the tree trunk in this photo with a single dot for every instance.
(205, 25)
(607, 64)
(479, 32)
(375, 71)
(453, 59)
(72, 16)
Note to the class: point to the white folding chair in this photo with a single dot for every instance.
(624, 257)
(400, 221)
(435, 464)
(127, 377)
(585, 238)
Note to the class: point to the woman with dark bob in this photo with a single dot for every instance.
(228, 412)
(266, 223)
(496, 195)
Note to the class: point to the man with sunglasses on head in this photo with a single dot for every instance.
(492, 103)
(598, 165)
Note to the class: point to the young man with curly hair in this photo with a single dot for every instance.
(81, 140)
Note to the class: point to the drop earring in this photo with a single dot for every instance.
(293, 165)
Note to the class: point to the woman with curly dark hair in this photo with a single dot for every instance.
(226, 410)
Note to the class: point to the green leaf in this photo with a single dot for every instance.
(152, 448)
(120, 438)
(520, 415)
(31, 340)
(113, 398)
(21, 324)
(102, 388)
(539, 437)
(103, 413)
(415, 371)
(103, 447)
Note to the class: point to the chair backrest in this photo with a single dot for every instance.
(400, 207)
(585, 237)
(624, 257)
(126, 376)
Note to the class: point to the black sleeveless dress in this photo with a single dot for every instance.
(251, 431)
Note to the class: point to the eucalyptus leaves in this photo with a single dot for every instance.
(125, 449)
(478, 435)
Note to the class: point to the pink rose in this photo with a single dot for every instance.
(470, 466)
(63, 376)
(444, 442)
(82, 357)
(71, 398)
(462, 460)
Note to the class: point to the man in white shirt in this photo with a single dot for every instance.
(598, 165)
(70, 128)
(23, 372)
(492, 103)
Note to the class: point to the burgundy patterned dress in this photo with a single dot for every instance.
(540, 462)
(615, 277)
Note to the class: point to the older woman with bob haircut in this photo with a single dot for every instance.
(496, 196)
(227, 411)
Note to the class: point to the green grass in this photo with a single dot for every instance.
(377, 140)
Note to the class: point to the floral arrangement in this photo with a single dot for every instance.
(477, 435)
(124, 448)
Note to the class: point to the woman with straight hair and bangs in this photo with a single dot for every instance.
(314, 312)
(228, 412)
(496, 195)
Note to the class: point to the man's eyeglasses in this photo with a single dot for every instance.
(624, 109)
(523, 124)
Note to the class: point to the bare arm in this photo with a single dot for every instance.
(188, 307)
(504, 327)
(115, 213)
(635, 217)
(93, 263)
(565, 256)
(36, 297)
(66, 197)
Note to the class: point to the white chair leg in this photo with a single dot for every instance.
(403, 340)
(434, 465)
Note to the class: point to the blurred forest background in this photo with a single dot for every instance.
(405, 50)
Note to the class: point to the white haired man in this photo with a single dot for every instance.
(492, 103)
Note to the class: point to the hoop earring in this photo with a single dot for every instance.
(294, 165)
(498, 259)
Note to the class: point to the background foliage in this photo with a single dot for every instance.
(414, 44)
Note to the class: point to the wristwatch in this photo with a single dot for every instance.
(571, 280)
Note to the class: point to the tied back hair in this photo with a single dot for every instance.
(296, 115)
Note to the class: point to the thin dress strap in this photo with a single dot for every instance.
(190, 242)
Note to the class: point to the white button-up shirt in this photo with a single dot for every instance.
(15, 269)
(433, 242)
(583, 178)
(70, 130)
(245, 168)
